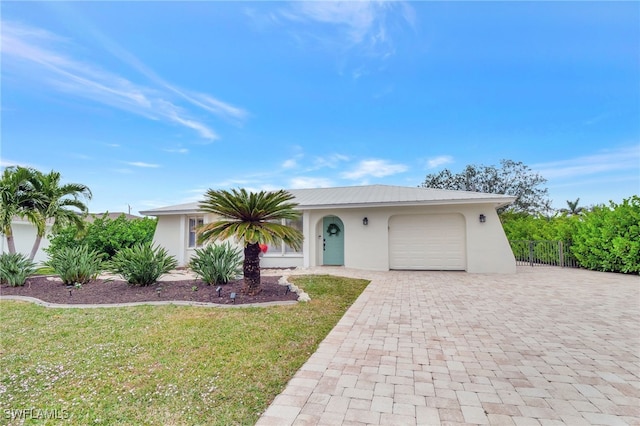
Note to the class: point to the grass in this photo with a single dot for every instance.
(45, 270)
(161, 365)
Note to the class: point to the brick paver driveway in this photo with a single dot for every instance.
(544, 346)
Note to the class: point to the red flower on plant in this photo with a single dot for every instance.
(263, 247)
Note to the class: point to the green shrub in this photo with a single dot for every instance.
(142, 264)
(76, 265)
(217, 264)
(105, 235)
(608, 238)
(15, 268)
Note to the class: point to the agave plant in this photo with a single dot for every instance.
(76, 265)
(15, 268)
(217, 263)
(142, 264)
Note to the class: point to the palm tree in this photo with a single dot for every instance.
(573, 208)
(55, 204)
(252, 218)
(17, 198)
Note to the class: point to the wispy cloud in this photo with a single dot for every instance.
(357, 24)
(80, 156)
(310, 182)
(44, 57)
(199, 190)
(216, 106)
(177, 150)
(291, 163)
(597, 118)
(202, 100)
(438, 161)
(234, 183)
(294, 161)
(618, 160)
(374, 168)
(122, 171)
(8, 163)
(331, 161)
(4, 163)
(142, 164)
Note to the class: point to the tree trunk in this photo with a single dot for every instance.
(11, 244)
(251, 269)
(36, 246)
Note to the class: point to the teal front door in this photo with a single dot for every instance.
(332, 241)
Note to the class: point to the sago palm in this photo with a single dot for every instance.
(251, 218)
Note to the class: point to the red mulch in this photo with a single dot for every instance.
(105, 292)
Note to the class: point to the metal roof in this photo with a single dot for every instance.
(366, 196)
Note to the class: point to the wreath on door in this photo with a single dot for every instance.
(333, 229)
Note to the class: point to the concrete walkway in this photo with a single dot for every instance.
(546, 346)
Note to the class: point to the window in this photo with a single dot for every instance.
(280, 248)
(297, 224)
(194, 223)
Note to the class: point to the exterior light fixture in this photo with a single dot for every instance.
(365, 221)
(219, 290)
(232, 296)
(483, 218)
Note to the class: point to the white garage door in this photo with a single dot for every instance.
(427, 242)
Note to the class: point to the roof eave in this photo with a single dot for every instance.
(170, 212)
(496, 202)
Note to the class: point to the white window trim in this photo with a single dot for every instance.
(197, 219)
(283, 252)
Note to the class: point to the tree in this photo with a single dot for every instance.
(511, 178)
(18, 198)
(252, 218)
(573, 208)
(56, 200)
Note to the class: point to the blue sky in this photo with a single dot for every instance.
(152, 103)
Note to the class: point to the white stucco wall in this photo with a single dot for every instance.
(24, 235)
(367, 247)
(170, 234)
(488, 249)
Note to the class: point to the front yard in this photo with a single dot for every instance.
(160, 365)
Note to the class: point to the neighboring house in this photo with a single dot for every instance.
(24, 234)
(374, 227)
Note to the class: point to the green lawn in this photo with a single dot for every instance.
(160, 365)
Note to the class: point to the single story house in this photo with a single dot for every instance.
(373, 227)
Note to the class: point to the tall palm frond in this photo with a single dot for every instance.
(61, 203)
(17, 198)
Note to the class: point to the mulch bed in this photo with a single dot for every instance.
(105, 292)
